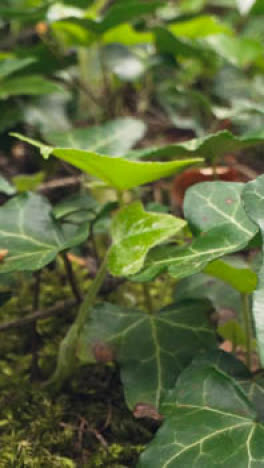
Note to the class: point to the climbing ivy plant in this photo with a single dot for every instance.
(207, 402)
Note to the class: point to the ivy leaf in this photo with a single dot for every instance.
(145, 345)
(6, 187)
(116, 137)
(27, 85)
(212, 146)
(134, 233)
(116, 172)
(31, 235)
(215, 211)
(210, 422)
(253, 196)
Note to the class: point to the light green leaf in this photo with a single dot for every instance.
(212, 146)
(210, 422)
(144, 345)
(117, 172)
(134, 232)
(200, 26)
(116, 137)
(26, 182)
(243, 280)
(214, 210)
(239, 51)
(31, 235)
(27, 85)
(6, 187)
(127, 35)
(253, 197)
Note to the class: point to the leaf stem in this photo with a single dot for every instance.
(246, 313)
(71, 278)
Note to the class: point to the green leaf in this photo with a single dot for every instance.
(6, 187)
(200, 26)
(212, 146)
(243, 280)
(11, 65)
(117, 172)
(26, 182)
(116, 137)
(127, 36)
(210, 422)
(31, 235)
(134, 232)
(27, 85)
(77, 203)
(253, 197)
(122, 12)
(239, 51)
(144, 345)
(214, 210)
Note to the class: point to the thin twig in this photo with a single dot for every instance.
(60, 183)
(38, 315)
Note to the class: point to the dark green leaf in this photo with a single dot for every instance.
(27, 85)
(210, 423)
(31, 235)
(145, 345)
(116, 137)
(253, 196)
(212, 146)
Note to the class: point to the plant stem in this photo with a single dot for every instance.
(35, 371)
(120, 198)
(247, 326)
(92, 293)
(148, 298)
(71, 278)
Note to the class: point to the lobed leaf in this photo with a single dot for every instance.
(145, 345)
(31, 235)
(214, 210)
(210, 422)
(134, 233)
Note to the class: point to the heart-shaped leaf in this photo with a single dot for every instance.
(253, 196)
(116, 172)
(31, 235)
(212, 146)
(6, 187)
(114, 138)
(214, 210)
(134, 233)
(210, 422)
(151, 349)
(223, 225)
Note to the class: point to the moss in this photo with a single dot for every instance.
(38, 430)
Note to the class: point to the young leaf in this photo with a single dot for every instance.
(115, 138)
(214, 209)
(134, 233)
(210, 423)
(200, 26)
(6, 187)
(151, 349)
(117, 172)
(253, 196)
(212, 146)
(31, 235)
